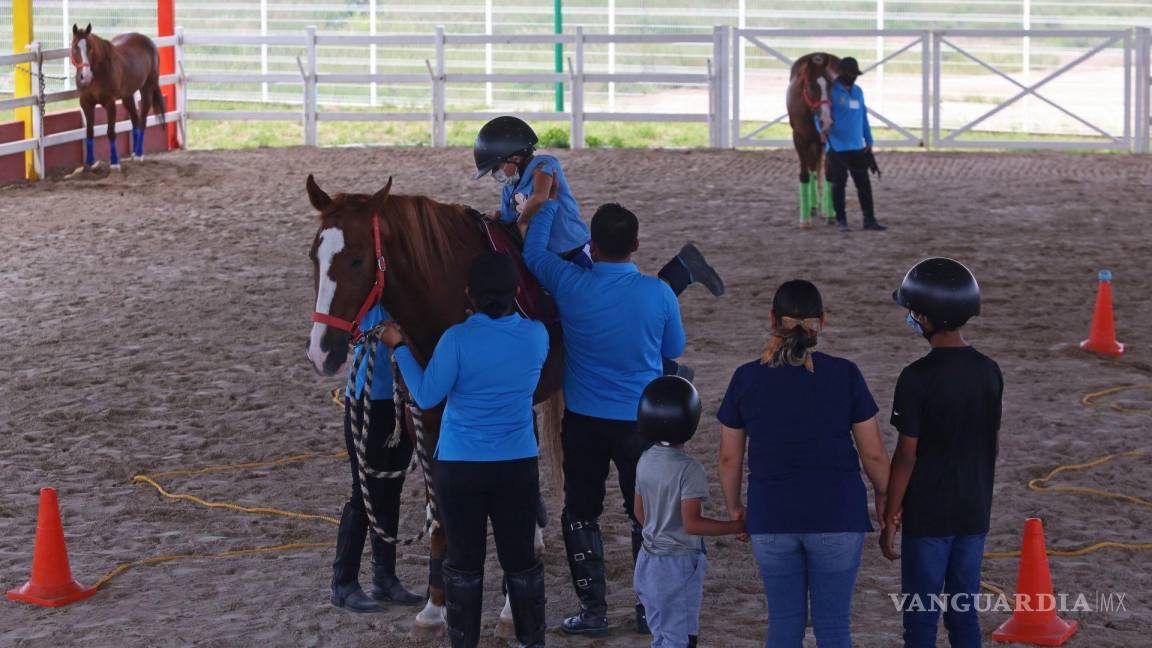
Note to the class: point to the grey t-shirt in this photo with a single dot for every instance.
(664, 477)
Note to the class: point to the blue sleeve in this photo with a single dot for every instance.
(672, 345)
(550, 269)
(863, 405)
(867, 126)
(729, 413)
(429, 387)
(507, 209)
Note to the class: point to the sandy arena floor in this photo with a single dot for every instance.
(156, 320)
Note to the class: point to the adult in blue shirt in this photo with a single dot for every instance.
(618, 326)
(849, 145)
(808, 420)
(505, 147)
(487, 367)
(385, 493)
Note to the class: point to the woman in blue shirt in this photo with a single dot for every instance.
(385, 493)
(487, 367)
(808, 420)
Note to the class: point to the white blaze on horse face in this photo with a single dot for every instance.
(331, 243)
(825, 107)
(86, 70)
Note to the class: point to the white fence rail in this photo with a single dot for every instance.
(722, 74)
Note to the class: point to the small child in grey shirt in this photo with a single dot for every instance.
(670, 486)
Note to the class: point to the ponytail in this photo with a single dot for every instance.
(791, 345)
(495, 305)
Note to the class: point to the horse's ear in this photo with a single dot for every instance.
(75, 29)
(379, 197)
(316, 195)
(88, 30)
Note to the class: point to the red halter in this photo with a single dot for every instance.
(812, 105)
(371, 300)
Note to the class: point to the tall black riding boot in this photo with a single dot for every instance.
(689, 267)
(641, 616)
(526, 596)
(464, 592)
(386, 587)
(585, 548)
(346, 592)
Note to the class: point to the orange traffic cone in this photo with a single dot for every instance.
(1035, 621)
(1102, 337)
(51, 584)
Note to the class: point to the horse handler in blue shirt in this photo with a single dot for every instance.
(618, 325)
(487, 367)
(849, 146)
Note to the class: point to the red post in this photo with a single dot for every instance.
(166, 26)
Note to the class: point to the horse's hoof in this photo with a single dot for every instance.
(79, 172)
(115, 167)
(805, 224)
(137, 158)
(427, 632)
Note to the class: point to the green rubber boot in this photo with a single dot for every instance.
(806, 204)
(826, 204)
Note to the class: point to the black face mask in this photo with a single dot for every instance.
(848, 80)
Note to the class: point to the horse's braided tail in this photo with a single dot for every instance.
(159, 105)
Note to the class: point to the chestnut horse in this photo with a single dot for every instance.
(808, 94)
(111, 70)
(424, 249)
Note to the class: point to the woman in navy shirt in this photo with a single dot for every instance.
(487, 367)
(808, 420)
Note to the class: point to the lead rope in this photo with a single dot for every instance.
(366, 353)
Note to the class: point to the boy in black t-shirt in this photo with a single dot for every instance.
(947, 410)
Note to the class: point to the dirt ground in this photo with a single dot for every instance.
(157, 320)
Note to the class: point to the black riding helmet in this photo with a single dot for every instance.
(500, 139)
(669, 411)
(942, 290)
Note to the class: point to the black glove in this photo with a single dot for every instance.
(872, 166)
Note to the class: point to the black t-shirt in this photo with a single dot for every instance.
(950, 401)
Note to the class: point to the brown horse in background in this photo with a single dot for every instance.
(808, 96)
(426, 248)
(107, 71)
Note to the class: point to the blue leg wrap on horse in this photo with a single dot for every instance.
(113, 154)
(89, 152)
(138, 142)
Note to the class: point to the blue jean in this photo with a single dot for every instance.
(797, 567)
(950, 564)
(671, 589)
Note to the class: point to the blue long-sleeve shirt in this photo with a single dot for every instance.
(850, 128)
(568, 230)
(487, 369)
(618, 325)
(382, 369)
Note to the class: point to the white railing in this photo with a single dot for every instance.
(35, 59)
(714, 75)
(723, 74)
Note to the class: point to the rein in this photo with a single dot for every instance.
(366, 353)
(353, 327)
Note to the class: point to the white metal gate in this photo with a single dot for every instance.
(946, 40)
(765, 39)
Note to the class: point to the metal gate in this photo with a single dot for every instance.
(943, 41)
(767, 40)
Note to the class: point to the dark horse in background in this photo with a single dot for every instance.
(808, 99)
(107, 71)
(426, 249)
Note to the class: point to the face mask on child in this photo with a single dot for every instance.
(912, 322)
(505, 180)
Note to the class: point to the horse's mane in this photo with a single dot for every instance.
(432, 231)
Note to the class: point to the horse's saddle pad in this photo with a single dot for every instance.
(533, 301)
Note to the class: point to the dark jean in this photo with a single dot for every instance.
(841, 164)
(802, 567)
(950, 564)
(469, 493)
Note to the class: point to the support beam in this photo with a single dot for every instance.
(21, 39)
(166, 26)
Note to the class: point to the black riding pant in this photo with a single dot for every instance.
(385, 493)
(841, 164)
(590, 445)
(469, 493)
